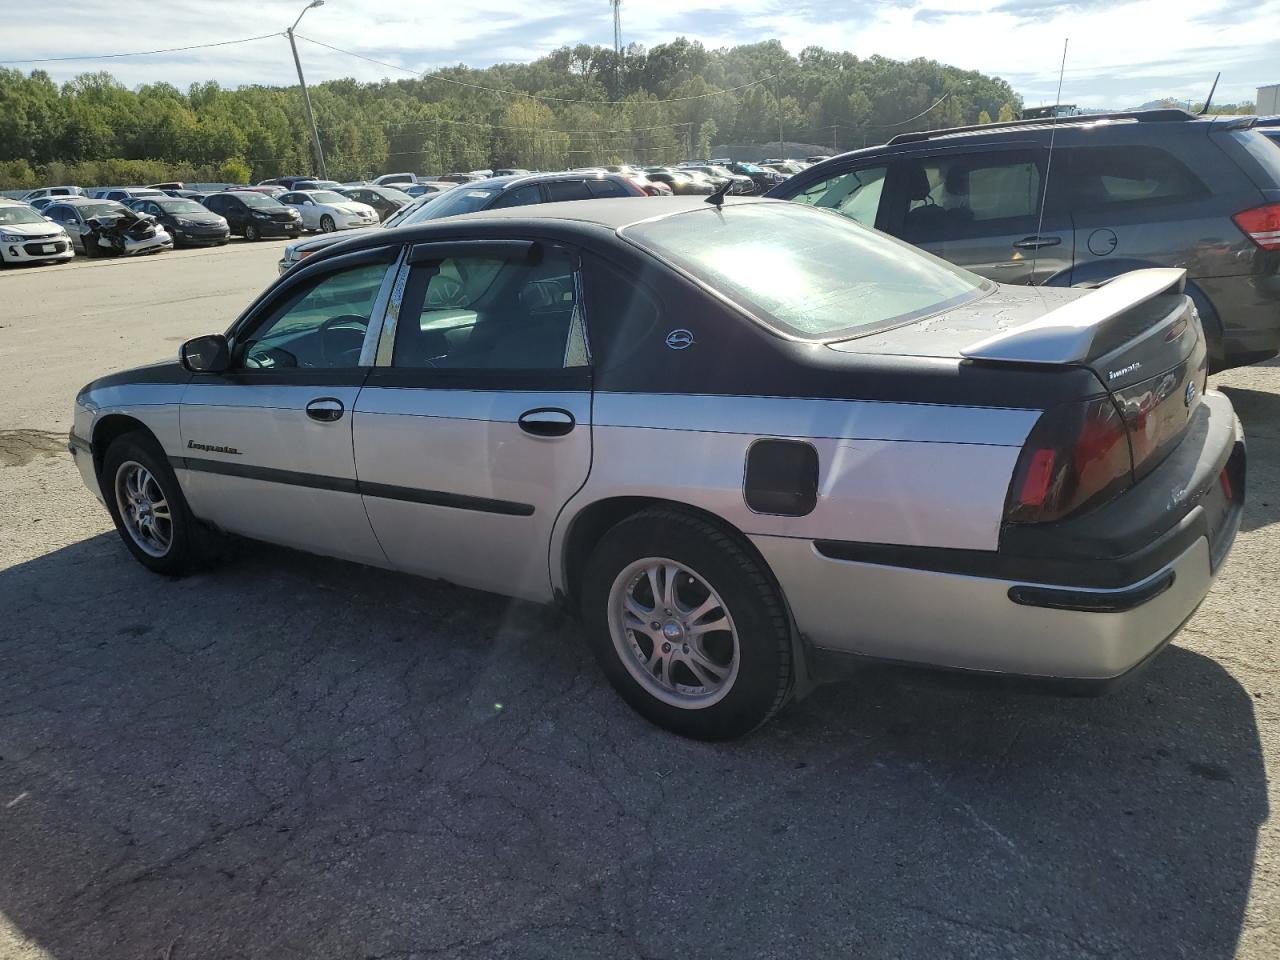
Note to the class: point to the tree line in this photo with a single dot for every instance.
(576, 106)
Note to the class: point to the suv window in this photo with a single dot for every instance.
(856, 194)
(321, 325)
(956, 196)
(519, 197)
(1100, 177)
(567, 190)
(477, 313)
(606, 188)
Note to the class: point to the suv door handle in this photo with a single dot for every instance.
(547, 422)
(1035, 243)
(325, 409)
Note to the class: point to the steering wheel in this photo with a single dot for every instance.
(443, 291)
(350, 356)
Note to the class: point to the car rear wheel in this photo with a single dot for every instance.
(251, 232)
(150, 513)
(326, 224)
(687, 625)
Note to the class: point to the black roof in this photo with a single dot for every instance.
(581, 217)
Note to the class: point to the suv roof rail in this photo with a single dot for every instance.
(1150, 116)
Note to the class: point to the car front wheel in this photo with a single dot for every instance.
(150, 513)
(688, 625)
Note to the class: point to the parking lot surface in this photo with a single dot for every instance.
(289, 757)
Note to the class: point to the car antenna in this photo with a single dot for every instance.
(1048, 164)
(1209, 99)
(717, 198)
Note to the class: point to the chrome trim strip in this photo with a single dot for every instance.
(373, 332)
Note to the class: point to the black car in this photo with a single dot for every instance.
(188, 222)
(1154, 188)
(255, 215)
(763, 178)
(386, 200)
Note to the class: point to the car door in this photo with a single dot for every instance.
(981, 210)
(302, 203)
(1135, 206)
(267, 444)
(473, 429)
(65, 216)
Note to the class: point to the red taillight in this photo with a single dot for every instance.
(1077, 455)
(1262, 224)
(1035, 485)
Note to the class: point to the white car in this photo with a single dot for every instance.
(27, 237)
(53, 192)
(327, 211)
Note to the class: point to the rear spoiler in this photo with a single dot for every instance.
(1073, 332)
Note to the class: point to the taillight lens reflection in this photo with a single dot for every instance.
(1076, 456)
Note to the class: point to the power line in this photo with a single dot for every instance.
(521, 93)
(141, 53)
(498, 126)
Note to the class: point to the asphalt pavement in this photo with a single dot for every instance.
(290, 757)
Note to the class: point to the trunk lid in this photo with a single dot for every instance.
(1139, 334)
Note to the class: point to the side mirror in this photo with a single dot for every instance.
(51, 220)
(206, 354)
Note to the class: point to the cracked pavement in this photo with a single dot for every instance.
(290, 757)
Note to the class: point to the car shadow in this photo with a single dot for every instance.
(1259, 413)
(293, 757)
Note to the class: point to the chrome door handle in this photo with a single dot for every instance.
(1035, 243)
(547, 422)
(325, 409)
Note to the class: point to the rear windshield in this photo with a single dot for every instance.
(807, 272)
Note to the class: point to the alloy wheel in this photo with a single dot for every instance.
(673, 633)
(144, 509)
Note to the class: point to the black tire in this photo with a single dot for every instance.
(251, 232)
(327, 224)
(191, 544)
(90, 249)
(765, 676)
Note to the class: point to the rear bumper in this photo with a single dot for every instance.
(1083, 599)
(971, 623)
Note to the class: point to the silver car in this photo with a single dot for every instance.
(104, 227)
(735, 439)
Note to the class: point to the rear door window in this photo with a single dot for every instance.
(606, 188)
(482, 313)
(1106, 177)
(567, 190)
(519, 197)
(854, 193)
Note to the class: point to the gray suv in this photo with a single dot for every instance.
(1125, 191)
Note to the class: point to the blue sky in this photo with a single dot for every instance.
(1122, 52)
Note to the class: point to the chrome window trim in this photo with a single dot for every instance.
(373, 332)
(385, 344)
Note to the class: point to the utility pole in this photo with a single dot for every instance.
(834, 148)
(306, 97)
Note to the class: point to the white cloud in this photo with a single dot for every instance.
(1121, 53)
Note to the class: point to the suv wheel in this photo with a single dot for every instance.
(687, 625)
(150, 513)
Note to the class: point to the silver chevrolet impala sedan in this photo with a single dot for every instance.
(734, 437)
